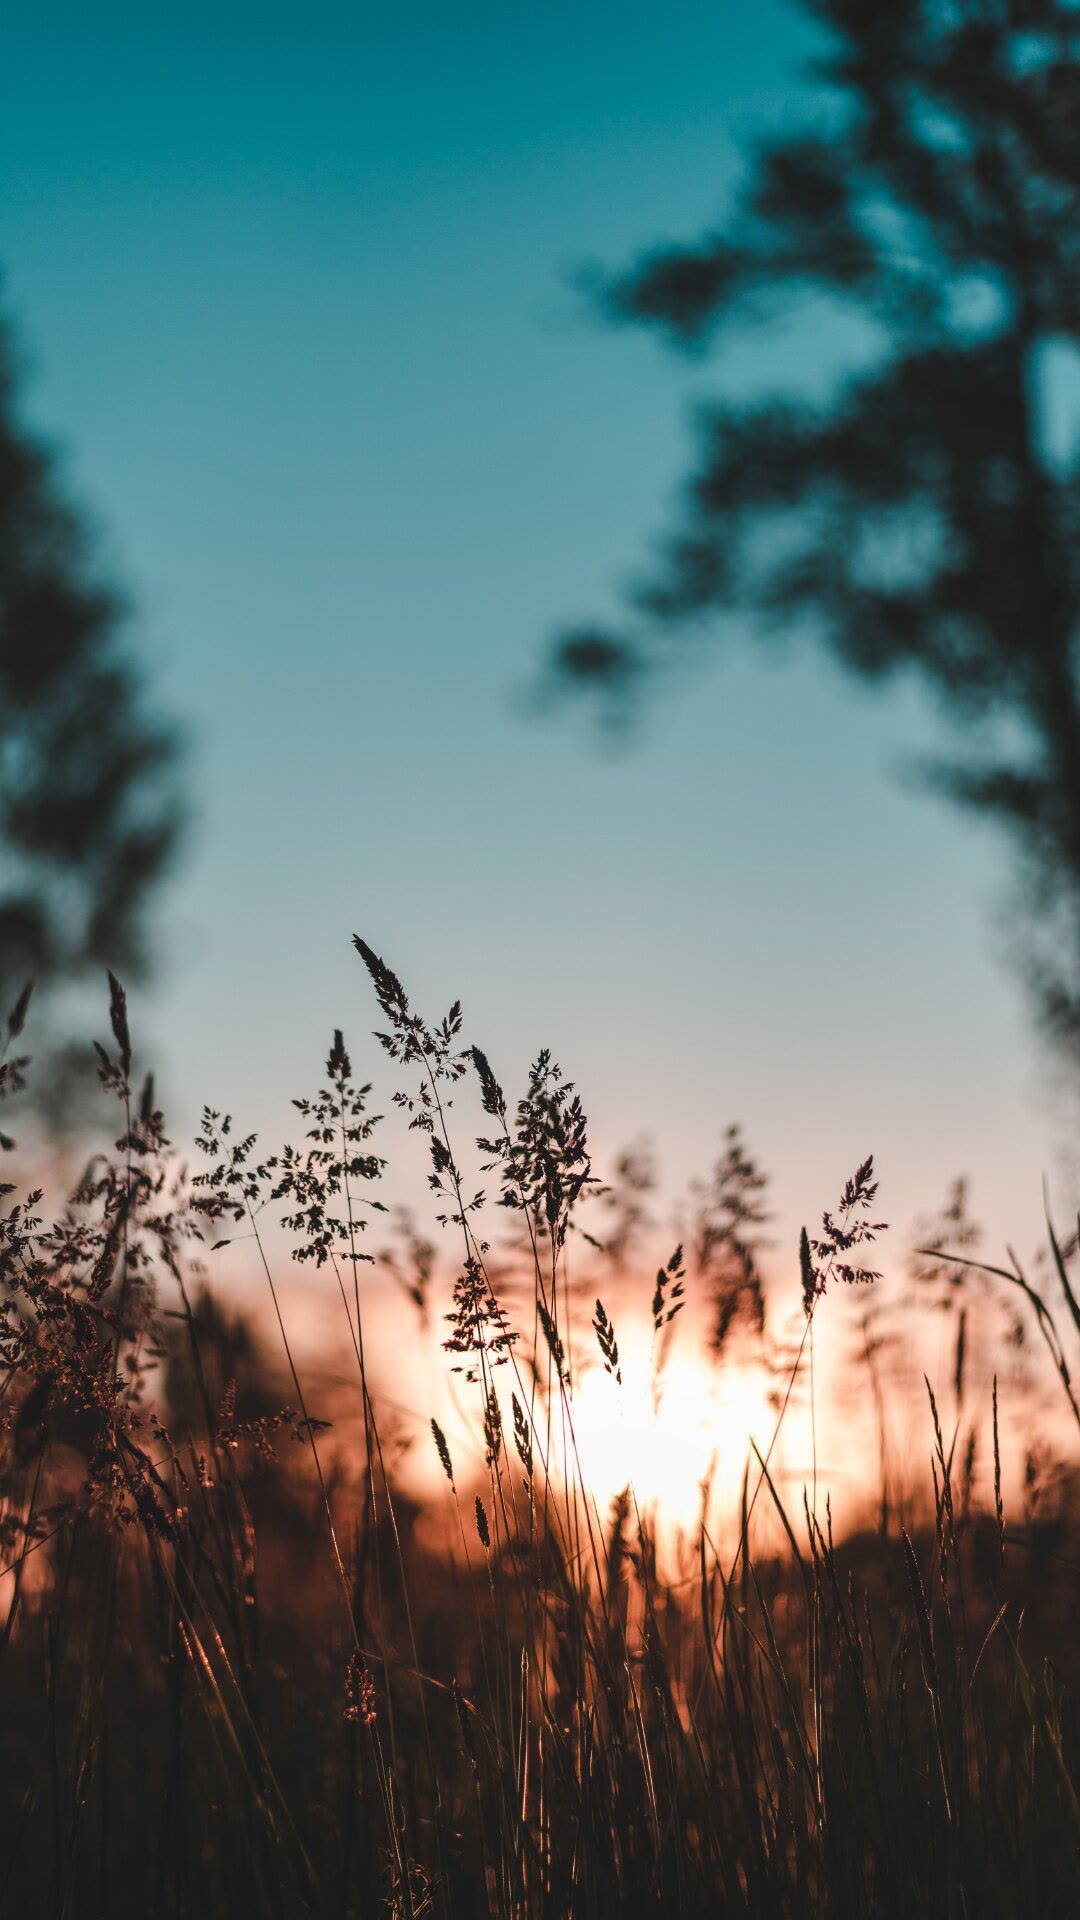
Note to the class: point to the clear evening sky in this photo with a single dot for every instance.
(293, 290)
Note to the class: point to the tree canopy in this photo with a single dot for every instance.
(914, 518)
(89, 812)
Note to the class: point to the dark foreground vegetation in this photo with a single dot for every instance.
(239, 1678)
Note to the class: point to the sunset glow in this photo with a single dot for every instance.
(698, 1427)
(540, 962)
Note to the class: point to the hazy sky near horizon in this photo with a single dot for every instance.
(293, 292)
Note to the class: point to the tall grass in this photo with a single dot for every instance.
(238, 1678)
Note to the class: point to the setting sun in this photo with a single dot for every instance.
(664, 1444)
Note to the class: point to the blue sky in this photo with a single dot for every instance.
(293, 293)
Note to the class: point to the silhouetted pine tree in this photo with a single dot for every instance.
(914, 518)
(88, 803)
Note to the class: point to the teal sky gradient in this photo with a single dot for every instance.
(293, 291)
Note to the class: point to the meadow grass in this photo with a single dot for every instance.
(239, 1677)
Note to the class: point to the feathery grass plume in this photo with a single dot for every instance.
(668, 1295)
(945, 1276)
(482, 1336)
(482, 1527)
(967, 1475)
(411, 1262)
(667, 1302)
(13, 1072)
(609, 1346)
(118, 1020)
(625, 1197)
(319, 1181)
(727, 1212)
(946, 1517)
(922, 1610)
(492, 1428)
(239, 1182)
(554, 1343)
(807, 1273)
(826, 1259)
(389, 991)
(359, 1690)
(522, 1436)
(465, 1715)
(262, 1428)
(16, 1019)
(960, 1357)
(618, 1552)
(443, 1451)
(78, 1326)
(544, 1159)
(840, 1236)
(492, 1097)
(412, 1042)
(934, 1269)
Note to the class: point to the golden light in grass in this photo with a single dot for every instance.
(664, 1443)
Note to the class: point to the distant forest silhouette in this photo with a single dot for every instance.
(913, 521)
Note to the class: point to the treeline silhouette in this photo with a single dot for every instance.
(921, 518)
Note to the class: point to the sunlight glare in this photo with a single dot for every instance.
(701, 1424)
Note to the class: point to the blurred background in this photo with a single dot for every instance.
(315, 312)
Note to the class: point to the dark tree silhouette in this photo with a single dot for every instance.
(914, 519)
(88, 802)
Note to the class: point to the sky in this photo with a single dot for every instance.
(294, 291)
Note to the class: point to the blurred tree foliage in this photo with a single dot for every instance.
(89, 812)
(921, 517)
